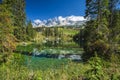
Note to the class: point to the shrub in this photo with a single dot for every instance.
(96, 72)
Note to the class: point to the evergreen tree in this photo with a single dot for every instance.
(7, 40)
(112, 8)
(101, 34)
(30, 30)
(114, 22)
(96, 31)
(19, 17)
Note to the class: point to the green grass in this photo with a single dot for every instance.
(28, 48)
(39, 69)
(51, 69)
(70, 31)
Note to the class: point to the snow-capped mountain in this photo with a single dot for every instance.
(60, 21)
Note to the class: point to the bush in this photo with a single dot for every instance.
(96, 72)
(98, 47)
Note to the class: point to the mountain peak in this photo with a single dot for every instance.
(60, 21)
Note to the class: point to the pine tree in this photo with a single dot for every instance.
(114, 22)
(30, 31)
(19, 17)
(7, 40)
(96, 31)
(112, 8)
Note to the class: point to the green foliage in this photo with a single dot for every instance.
(40, 69)
(99, 46)
(114, 30)
(19, 19)
(20, 33)
(96, 72)
(7, 40)
(111, 67)
(31, 33)
(17, 8)
(94, 39)
(14, 69)
(70, 71)
(56, 36)
(101, 33)
(103, 70)
(21, 67)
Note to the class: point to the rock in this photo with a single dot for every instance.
(61, 56)
(75, 57)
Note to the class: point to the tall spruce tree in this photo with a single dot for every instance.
(96, 31)
(7, 40)
(30, 31)
(114, 22)
(112, 7)
(19, 17)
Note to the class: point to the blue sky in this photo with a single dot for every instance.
(45, 9)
